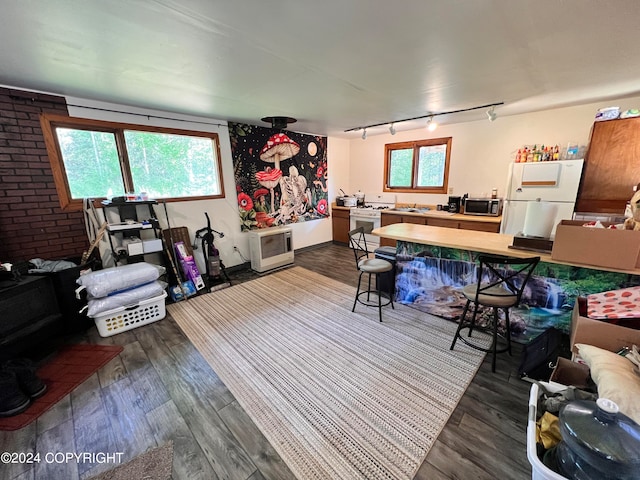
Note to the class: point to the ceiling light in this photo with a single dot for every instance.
(364, 133)
(431, 125)
(492, 114)
(392, 129)
(279, 122)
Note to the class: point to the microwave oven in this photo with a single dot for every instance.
(483, 206)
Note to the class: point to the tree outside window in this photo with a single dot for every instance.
(417, 167)
(96, 159)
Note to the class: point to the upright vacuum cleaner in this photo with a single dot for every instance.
(216, 275)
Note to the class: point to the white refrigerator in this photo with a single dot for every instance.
(556, 182)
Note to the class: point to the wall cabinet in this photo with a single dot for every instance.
(340, 225)
(612, 166)
(447, 222)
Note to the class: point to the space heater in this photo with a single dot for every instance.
(271, 248)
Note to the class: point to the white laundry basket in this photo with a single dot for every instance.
(125, 318)
(539, 471)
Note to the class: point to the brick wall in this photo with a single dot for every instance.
(32, 224)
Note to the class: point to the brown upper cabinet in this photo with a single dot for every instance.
(612, 166)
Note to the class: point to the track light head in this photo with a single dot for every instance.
(431, 125)
(392, 129)
(364, 133)
(491, 114)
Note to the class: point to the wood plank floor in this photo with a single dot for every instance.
(160, 388)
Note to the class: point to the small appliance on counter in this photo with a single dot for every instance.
(483, 206)
(344, 200)
(350, 201)
(454, 204)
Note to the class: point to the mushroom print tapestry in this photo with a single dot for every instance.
(281, 176)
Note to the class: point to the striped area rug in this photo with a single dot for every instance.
(338, 394)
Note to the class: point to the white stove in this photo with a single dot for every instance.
(368, 215)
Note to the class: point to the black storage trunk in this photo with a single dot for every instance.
(29, 314)
(64, 284)
(387, 279)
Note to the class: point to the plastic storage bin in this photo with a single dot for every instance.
(126, 318)
(539, 471)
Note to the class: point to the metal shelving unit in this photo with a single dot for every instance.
(133, 219)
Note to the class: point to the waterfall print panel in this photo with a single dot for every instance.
(429, 278)
(281, 176)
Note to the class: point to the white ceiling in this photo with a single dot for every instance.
(332, 64)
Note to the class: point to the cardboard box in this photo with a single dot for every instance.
(189, 266)
(600, 333)
(600, 247)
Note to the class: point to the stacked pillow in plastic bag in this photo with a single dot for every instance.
(118, 287)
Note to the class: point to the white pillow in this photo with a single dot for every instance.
(615, 377)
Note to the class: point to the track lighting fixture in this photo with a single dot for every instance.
(430, 124)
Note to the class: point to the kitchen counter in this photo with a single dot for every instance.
(433, 213)
(483, 242)
(336, 207)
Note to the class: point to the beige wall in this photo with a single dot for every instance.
(481, 150)
(480, 154)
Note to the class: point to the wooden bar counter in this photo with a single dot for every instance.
(482, 242)
(434, 263)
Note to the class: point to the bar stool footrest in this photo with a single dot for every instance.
(384, 298)
(489, 349)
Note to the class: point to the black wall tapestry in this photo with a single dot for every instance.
(281, 176)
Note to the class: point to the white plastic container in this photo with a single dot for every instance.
(126, 318)
(608, 113)
(152, 245)
(539, 471)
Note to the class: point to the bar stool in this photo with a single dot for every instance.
(370, 266)
(501, 282)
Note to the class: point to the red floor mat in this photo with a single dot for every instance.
(71, 366)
